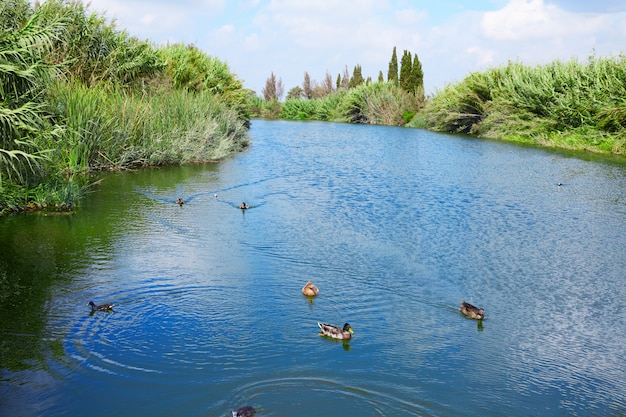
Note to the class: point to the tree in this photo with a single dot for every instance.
(405, 71)
(327, 85)
(307, 88)
(418, 76)
(392, 73)
(345, 81)
(357, 77)
(273, 89)
(380, 77)
(295, 93)
(338, 81)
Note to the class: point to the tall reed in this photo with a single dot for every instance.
(578, 105)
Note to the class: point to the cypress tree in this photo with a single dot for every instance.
(418, 76)
(392, 73)
(405, 71)
(357, 77)
(380, 77)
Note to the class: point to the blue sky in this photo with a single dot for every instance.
(451, 38)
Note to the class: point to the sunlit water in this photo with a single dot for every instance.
(395, 226)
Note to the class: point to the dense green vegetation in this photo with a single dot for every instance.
(571, 105)
(78, 95)
(353, 99)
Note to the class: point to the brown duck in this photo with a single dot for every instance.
(310, 290)
(471, 311)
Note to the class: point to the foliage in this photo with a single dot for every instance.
(193, 70)
(377, 103)
(392, 73)
(307, 88)
(357, 77)
(76, 95)
(23, 77)
(95, 51)
(295, 93)
(539, 104)
(273, 90)
(108, 127)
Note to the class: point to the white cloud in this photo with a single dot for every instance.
(533, 19)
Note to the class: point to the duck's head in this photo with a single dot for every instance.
(347, 328)
(92, 304)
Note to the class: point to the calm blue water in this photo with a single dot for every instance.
(395, 226)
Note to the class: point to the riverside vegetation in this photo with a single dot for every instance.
(78, 95)
(570, 105)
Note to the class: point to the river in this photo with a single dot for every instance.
(395, 226)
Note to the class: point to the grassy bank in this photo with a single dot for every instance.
(571, 105)
(79, 95)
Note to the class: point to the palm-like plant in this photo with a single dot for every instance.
(23, 73)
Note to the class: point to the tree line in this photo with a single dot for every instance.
(409, 76)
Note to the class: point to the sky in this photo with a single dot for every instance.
(452, 38)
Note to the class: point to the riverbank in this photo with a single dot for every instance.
(568, 105)
(68, 113)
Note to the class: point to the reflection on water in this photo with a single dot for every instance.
(395, 226)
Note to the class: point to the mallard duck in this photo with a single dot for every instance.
(472, 311)
(244, 206)
(101, 307)
(245, 411)
(310, 290)
(180, 201)
(336, 332)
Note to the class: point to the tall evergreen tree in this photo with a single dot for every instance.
(418, 76)
(405, 71)
(380, 77)
(392, 73)
(338, 81)
(357, 77)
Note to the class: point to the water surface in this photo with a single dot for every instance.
(395, 226)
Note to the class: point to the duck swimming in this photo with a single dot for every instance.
(245, 411)
(310, 290)
(244, 206)
(336, 332)
(471, 311)
(180, 202)
(101, 307)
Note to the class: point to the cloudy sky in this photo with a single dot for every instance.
(451, 37)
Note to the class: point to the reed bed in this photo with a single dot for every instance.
(573, 105)
(110, 128)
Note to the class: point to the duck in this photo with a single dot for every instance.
(180, 202)
(336, 332)
(101, 307)
(244, 206)
(310, 290)
(471, 311)
(245, 411)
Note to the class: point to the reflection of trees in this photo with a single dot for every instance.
(29, 266)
